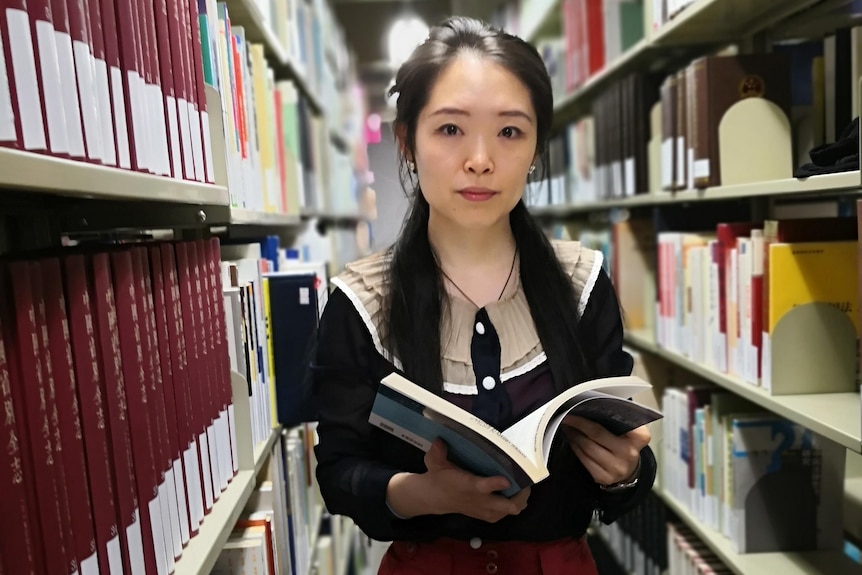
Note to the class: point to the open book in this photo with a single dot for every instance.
(519, 453)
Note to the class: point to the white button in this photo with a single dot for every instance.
(489, 383)
(475, 542)
(480, 328)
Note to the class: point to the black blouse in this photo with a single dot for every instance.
(356, 460)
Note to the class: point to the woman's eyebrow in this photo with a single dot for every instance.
(450, 111)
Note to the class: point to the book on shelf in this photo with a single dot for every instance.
(519, 453)
(136, 438)
(734, 467)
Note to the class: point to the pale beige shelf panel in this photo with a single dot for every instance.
(242, 216)
(246, 13)
(846, 182)
(29, 172)
(792, 563)
(203, 550)
(836, 416)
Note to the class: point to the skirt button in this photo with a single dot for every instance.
(491, 568)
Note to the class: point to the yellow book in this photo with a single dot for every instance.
(264, 123)
(822, 272)
(267, 313)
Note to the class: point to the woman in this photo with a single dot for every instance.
(473, 303)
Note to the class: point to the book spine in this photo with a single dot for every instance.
(167, 57)
(115, 121)
(48, 67)
(25, 94)
(93, 405)
(114, 391)
(83, 539)
(67, 81)
(18, 541)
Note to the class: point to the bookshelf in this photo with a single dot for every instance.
(846, 183)
(49, 203)
(626, 132)
(836, 416)
(824, 562)
(203, 550)
(242, 216)
(38, 173)
(697, 26)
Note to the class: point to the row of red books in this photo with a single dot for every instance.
(118, 83)
(118, 430)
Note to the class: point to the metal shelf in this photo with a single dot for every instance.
(789, 563)
(836, 416)
(827, 184)
(38, 173)
(244, 217)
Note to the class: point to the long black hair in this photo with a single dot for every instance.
(416, 295)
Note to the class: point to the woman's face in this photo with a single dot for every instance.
(475, 143)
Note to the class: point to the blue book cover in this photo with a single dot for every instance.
(519, 453)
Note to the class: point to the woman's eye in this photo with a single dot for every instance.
(449, 130)
(510, 132)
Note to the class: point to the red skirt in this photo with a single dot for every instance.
(451, 557)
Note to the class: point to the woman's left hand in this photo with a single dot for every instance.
(609, 458)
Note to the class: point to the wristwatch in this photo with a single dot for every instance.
(623, 485)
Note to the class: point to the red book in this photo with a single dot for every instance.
(20, 57)
(83, 538)
(208, 412)
(8, 116)
(595, 21)
(193, 65)
(223, 368)
(132, 76)
(30, 389)
(158, 116)
(163, 462)
(48, 74)
(86, 88)
(129, 326)
(114, 392)
(18, 547)
(216, 391)
(46, 351)
(151, 154)
(103, 26)
(167, 398)
(92, 405)
(207, 156)
(68, 81)
(167, 58)
(178, 28)
(727, 234)
(197, 414)
(186, 427)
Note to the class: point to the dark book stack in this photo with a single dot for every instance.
(638, 539)
(622, 133)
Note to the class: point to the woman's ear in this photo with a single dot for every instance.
(401, 137)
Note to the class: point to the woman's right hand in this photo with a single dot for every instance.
(445, 489)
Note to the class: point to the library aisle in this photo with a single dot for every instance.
(180, 180)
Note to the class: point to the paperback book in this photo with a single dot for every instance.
(519, 453)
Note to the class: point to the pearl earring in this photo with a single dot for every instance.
(411, 166)
(532, 169)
